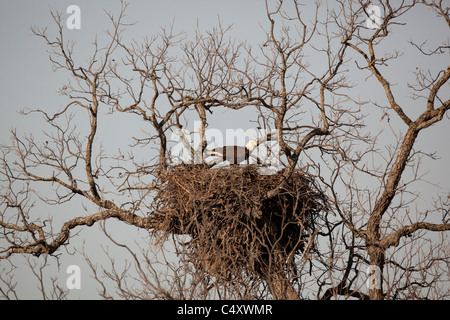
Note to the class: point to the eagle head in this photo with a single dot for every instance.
(251, 145)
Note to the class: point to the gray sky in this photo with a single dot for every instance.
(27, 79)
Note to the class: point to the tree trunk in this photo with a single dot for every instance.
(279, 285)
(375, 276)
(281, 288)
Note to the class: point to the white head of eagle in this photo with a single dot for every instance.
(233, 154)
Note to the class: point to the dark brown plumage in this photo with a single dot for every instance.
(233, 154)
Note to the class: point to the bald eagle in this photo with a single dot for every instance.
(233, 154)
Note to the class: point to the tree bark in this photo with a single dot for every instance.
(280, 287)
(376, 260)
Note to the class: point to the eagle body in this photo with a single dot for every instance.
(233, 154)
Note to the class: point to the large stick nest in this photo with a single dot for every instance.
(233, 226)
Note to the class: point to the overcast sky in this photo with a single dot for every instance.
(27, 79)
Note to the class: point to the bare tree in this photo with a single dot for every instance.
(311, 230)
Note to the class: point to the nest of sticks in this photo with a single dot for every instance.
(233, 225)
